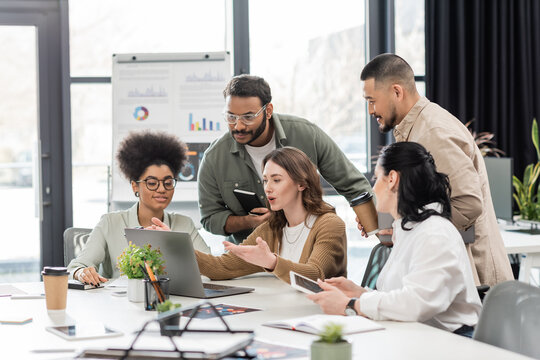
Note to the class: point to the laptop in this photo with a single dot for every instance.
(181, 264)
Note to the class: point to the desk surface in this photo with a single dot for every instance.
(278, 301)
(519, 242)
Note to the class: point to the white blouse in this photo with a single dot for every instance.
(427, 278)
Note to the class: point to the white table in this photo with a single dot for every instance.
(278, 301)
(525, 244)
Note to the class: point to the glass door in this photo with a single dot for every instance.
(19, 163)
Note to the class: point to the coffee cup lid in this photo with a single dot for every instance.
(360, 199)
(55, 271)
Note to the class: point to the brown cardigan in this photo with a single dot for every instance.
(324, 254)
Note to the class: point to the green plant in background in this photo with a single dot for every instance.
(133, 257)
(484, 141)
(166, 306)
(527, 193)
(332, 334)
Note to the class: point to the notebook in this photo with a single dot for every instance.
(181, 264)
(315, 324)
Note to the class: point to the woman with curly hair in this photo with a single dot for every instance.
(151, 161)
(303, 234)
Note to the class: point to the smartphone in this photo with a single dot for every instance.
(83, 331)
(385, 222)
(249, 200)
(304, 284)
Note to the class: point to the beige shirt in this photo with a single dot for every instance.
(457, 155)
(324, 254)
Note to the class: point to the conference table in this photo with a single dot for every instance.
(518, 241)
(276, 299)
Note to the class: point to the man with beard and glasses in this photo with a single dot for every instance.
(234, 161)
(394, 102)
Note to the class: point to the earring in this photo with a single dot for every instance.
(136, 194)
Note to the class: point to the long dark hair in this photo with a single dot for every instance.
(303, 172)
(420, 183)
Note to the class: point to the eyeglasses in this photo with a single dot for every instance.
(153, 184)
(247, 120)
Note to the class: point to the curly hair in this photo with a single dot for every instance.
(420, 184)
(141, 149)
(303, 172)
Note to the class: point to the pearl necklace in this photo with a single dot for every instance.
(286, 236)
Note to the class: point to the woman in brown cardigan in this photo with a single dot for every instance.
(303, 234)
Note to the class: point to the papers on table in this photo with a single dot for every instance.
(315, 324)
(8, 290)
(115, 284)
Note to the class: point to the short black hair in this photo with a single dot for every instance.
(389, 67)
(141, 149)
(248, 86)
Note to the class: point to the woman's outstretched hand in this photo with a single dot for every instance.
(259, 254)
(158, 225)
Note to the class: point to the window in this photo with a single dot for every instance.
(20, 233)
(91, 134)
(311, 53)
(410, 37)
(99, 29)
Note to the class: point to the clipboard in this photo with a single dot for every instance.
(238, 348)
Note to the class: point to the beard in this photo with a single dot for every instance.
(254, 134)
(389, 122)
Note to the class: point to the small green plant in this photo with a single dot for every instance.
(332, 334)
(133, 257)
(527, 193)
(166, 306)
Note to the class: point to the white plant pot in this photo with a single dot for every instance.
(135, 290)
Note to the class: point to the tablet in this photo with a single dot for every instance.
(83, 331)
(304, 284)
(248, 199)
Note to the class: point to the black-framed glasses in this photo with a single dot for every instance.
(247, 120)
(152, 184)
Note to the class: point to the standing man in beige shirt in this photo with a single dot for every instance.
(394, 103)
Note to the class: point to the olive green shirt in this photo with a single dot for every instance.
(226, 165)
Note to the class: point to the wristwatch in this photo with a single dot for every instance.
(350, 310)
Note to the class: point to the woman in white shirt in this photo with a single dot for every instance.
(427, 277)
(151, 161)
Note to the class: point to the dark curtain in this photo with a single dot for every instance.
(483, 63)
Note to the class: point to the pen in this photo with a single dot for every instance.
(27, 296)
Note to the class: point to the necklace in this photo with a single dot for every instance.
(286, 235)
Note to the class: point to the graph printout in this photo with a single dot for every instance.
(178, 93)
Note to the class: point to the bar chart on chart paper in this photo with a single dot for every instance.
(202, 124)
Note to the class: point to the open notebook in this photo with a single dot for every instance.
(314, 324)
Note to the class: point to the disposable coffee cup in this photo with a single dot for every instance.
(364, 207)
(55, 280)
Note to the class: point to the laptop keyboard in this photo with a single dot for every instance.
(215, 286)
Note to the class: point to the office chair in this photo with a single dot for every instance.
(510, 320)
(377, 259)
(74, 240)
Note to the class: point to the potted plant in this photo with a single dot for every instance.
(331, 344)
(165, 306)
(527, 193)
(130, 262)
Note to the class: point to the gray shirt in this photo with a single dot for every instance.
(107, 240)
